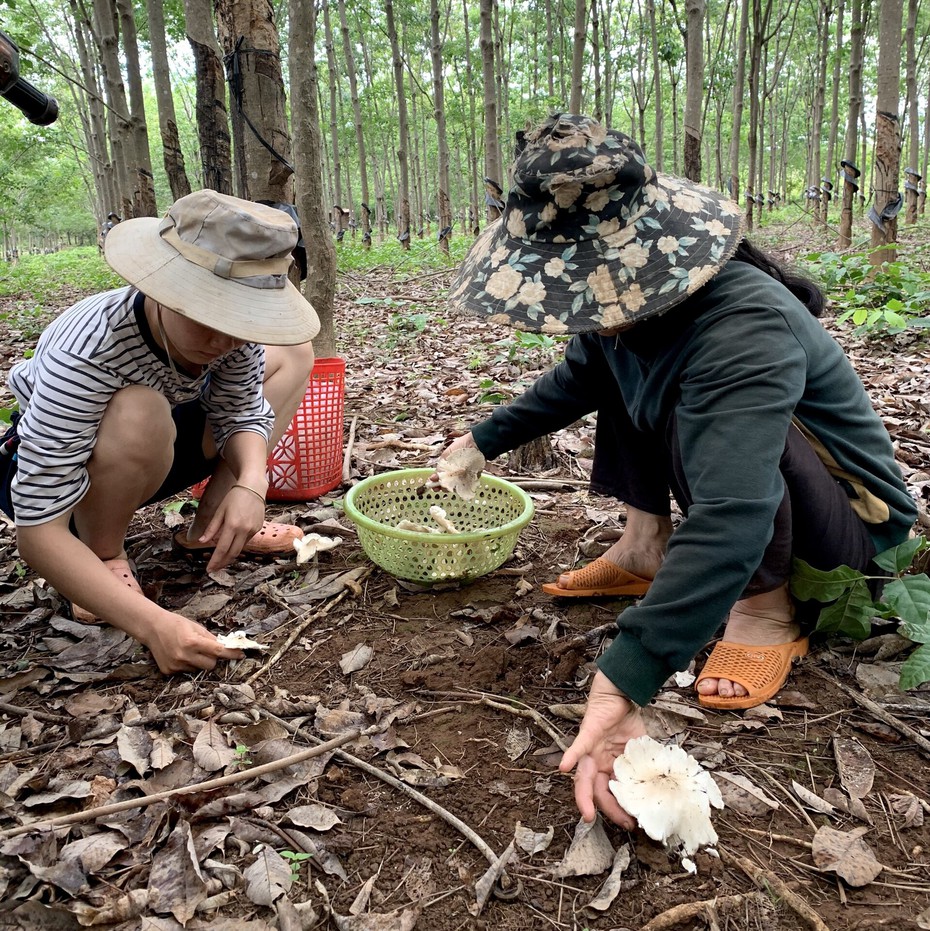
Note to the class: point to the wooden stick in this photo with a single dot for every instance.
(347, 457)
(766, 879)
(298, 630)
(38, 715)
(876, 710)
(533, 715)
(691, 910)
(91, 813)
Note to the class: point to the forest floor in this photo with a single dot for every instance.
(464, 692)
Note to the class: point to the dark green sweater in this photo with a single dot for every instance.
(736, 362)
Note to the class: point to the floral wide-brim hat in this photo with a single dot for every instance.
(592, 237)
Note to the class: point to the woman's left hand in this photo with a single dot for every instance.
(610, 721)
(238, 518)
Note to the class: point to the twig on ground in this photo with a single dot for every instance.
(471, 835)
(533, 715)
(766, 879)
(542, 484)
(298, 630)
(38, 715)
(347, 457)
(688, 911)
(252, 772)
(876, 710)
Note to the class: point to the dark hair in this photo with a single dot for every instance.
(808, 293)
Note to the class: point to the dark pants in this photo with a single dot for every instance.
(814, 521)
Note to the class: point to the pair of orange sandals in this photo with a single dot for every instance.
(761, 670)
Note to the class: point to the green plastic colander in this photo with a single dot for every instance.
(489, 525)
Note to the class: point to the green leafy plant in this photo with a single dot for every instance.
(241, 758)
(295, 860)
(887, 298)
(490, 393)
(905, 596)
(525, 348)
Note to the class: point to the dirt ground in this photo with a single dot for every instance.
(463, 693)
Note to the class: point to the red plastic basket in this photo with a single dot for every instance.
(307, 462)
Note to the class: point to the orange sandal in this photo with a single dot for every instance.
(761, 670)
(273, 539)
(598, 579)
(122, 569)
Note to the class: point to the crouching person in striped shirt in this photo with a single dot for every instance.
(194, 369)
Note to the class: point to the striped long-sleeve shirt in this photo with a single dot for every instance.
(95, 348)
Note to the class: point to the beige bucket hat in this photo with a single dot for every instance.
(221, 262)
(592, 237)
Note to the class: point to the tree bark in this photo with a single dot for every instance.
(118, 109)
(333, 111)
(694, 10)
(739, 90)
(359, 128)
(492, 158)
(249, 39)
(578, 43)
(403, 144)
(439, 114)
(851, 181)
(320, 286)
(912, 171)
(657, 109)
(143, 194)
(212, 116)
(816, 131)
(167, 120)
(887, 132)
(831, 165)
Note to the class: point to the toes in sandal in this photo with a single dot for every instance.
(273, 539)
(761, 670)
(123, 570)
(599, 578)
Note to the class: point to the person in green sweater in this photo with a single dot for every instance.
(712, 379)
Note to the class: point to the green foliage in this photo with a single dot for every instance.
(526, 348)
(423, 255)
(851, 607)
(295, 860)
(883, 299)
(46, 278)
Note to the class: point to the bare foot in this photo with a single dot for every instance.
(763, 620)
(641, 549)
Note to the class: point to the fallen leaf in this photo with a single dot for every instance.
(203, 606)
(811, 800)
(854, 765)
(568, 711)
(176, 885)
(399, 920)
(846, 854)
(517, 742)
(609, 891)
(135, 748)
(318, 817)
(743, 794)
(590, 852)
(909, 807)
(531, 841)
(211, 749)
(268, 877)
(355, 659)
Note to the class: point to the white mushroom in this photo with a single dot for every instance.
(312, 543)
(239, 640)
(460, 470)
(669, 793)
(439, 515)
(414, 527)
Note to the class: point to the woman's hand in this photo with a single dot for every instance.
(237, 519)
(181, 645)
(465, 441)
(610, 721)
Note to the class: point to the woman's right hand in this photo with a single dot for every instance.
(182, 645)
